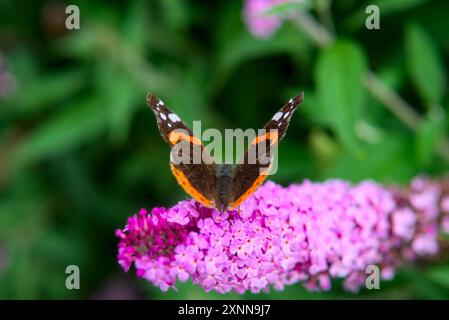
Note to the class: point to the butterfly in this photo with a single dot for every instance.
(220, 186)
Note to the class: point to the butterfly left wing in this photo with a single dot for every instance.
(190, 163)
(253, 168)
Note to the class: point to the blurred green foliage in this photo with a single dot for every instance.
(80, 151)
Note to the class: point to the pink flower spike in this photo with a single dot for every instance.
(307, 233)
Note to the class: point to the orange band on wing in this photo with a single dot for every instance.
(260, 179)
(272, 136)
(187, 186)
(175, 136)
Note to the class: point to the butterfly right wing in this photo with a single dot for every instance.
(190, 162)
(254, 167)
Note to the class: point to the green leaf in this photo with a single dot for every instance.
(286, 7)
(338, 76)
(423, 286)
(424, 64)
(78, 123)
(135, 25)
(311, 108)
(51, 88)
(175, 13)
(82, 44)
(122, 101)
(427, 137)
(439, 275)
(121, 94)
(388, 160)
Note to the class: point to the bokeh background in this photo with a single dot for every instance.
(80, 151)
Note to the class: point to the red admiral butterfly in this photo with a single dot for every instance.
(222, 186)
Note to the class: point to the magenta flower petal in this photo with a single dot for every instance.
(260, 24)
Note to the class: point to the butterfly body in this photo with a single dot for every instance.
(225, 177)
(222, 186)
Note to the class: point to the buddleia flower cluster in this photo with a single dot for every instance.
(308, 233)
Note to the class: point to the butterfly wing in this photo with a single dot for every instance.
(190, 162)
(253, 168)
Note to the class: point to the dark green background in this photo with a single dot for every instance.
(80, 151)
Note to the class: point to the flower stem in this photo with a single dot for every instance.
(315, 30)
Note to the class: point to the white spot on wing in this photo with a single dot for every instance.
(160, 103)
(169, 124)
(277, 116)
(285, 115)
(163, 116)
(173, 117)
